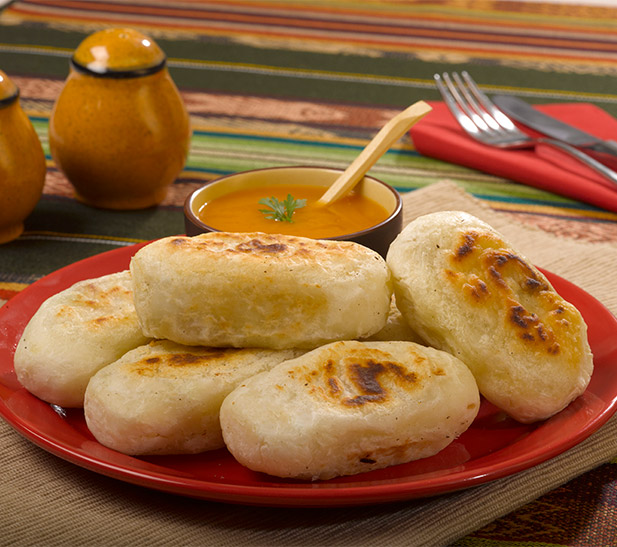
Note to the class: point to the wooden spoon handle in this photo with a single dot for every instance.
(386, 137)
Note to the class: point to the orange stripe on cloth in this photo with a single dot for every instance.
(411, 44)
(488, 25)
(9, 290)
(383, 26)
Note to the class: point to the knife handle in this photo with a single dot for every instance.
(584, 158)
(605, 146)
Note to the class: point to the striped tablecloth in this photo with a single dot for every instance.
(272, 83)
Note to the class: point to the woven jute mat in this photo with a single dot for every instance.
(47, 501)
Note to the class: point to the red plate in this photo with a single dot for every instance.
(493, 447)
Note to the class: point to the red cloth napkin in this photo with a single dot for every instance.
(438, 135)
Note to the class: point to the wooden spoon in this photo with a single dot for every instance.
(387, 136)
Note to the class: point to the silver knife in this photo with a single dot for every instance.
(526, 114)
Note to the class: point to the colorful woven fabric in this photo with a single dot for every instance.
(566, 516)
(271, 83)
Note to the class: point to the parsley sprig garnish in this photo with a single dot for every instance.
(281, 211)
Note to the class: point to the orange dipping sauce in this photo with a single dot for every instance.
(240, 212)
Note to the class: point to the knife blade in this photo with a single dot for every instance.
(524, 113)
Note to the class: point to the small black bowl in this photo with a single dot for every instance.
(376, 237)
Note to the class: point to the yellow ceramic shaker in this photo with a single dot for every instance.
(22, 163)
(119, 130)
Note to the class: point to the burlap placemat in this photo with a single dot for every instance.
(47, 501)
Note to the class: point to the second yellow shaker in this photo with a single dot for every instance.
(22, 163)
(119, 130)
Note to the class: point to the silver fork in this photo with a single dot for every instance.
(484, 122)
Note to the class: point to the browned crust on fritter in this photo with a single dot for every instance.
(273, 246)
(490, 275)
(364, 378)
(97, 300)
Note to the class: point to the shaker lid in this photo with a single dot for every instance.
(118, 53)
(8, 90)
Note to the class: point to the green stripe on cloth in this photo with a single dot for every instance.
(58, 221)
(398, 79)
(381, 86)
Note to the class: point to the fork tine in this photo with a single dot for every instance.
(462, 103)
(487, 104)
(449, 95)
(477, 115)
(491, 123)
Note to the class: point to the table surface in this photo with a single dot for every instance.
(310, 82)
